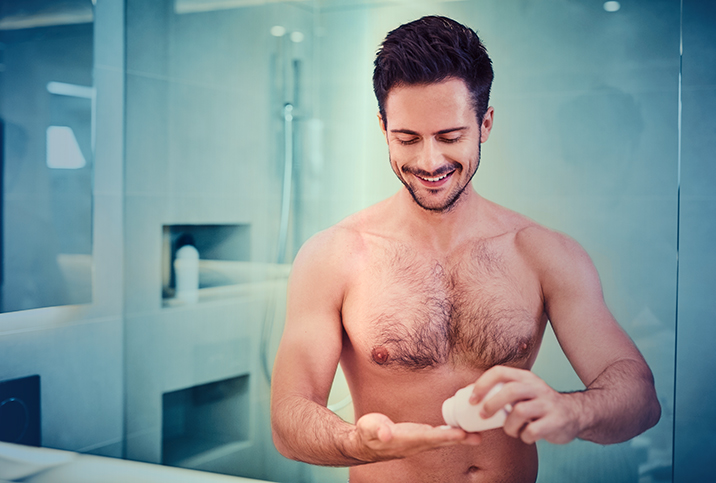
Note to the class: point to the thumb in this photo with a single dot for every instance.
(375, 426)
(384, 432)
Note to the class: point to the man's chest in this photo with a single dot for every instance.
(480, 306)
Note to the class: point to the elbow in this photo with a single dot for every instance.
(276, 432)
(280, 444)
(652, 407)
(281, 436)
(652, 411)
(648, 413)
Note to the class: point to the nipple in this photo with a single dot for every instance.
(380, 355)
(524, 347)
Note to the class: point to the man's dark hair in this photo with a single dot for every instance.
(429, 50)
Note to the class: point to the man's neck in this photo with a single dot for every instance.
(439, 230)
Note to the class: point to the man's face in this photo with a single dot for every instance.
(434, 140)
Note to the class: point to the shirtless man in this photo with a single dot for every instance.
(436, 288)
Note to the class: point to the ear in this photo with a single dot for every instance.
(382, 126)
(486, 126)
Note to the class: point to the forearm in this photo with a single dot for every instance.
(618, 405)
(306, 431)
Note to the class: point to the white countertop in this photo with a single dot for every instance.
(43, 465)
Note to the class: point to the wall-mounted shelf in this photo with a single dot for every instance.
(221, 279)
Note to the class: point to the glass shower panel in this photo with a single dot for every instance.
(589, 148)
(46, 153)
(585, 142)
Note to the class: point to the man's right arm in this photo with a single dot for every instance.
(303, 427)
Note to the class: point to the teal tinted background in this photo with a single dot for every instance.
(586, 141)
(78, 350)
(695, 428)
(46, 214)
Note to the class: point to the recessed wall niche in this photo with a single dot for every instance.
(204, 423)
(224, 251)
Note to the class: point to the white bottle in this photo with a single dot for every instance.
(186, 269)
(459, 413)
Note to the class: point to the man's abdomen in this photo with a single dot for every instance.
(498, 459)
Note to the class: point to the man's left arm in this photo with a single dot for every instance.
(619, 401)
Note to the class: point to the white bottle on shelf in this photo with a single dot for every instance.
(459, 413)
(186, 270)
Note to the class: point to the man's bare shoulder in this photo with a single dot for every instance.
(552, 254)
(541, 246)
(338, 247)
(542, 243)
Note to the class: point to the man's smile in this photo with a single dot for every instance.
(435, 180)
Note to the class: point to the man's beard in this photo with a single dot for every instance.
(453, 197)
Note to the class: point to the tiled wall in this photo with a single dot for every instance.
(78, 350)
(203, 146)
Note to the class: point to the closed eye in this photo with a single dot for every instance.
(450, 140)
(406, 142)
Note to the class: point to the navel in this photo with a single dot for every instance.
(380, 355)
(472, 470)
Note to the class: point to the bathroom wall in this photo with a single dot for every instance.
(695, 427)
(610, 183)
(203, 147)
(78, 350)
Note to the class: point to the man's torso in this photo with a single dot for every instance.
(420, 324)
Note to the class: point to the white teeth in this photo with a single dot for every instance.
(432, 180)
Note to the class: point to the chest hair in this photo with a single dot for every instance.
(465, 310)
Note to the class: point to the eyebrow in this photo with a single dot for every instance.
(443, 131)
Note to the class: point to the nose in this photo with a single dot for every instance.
(431, 157)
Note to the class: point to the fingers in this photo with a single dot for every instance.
(414, 434)
(383, 439)
(521, 416)
(494, 375)
(532, 423)
(544, 428)
(536, 411)
(375, 426)
(384, 433)
(518, 385)
(508, 397)
(472, 439)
